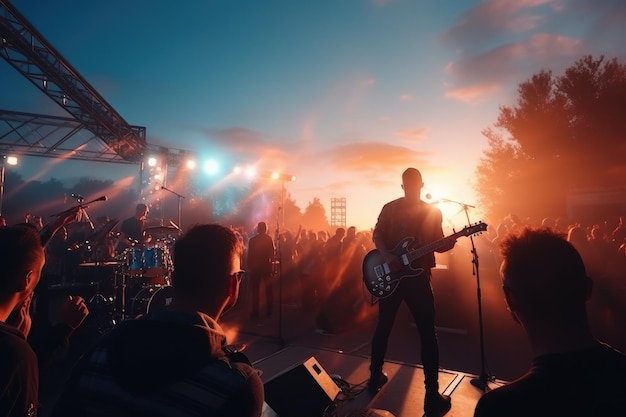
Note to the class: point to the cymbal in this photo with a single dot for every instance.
(104, 263)
(164, 230)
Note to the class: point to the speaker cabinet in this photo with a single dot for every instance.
(304, 390)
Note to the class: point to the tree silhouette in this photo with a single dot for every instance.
(314, 216)
(564, 133)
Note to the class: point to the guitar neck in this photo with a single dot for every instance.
(431, 247)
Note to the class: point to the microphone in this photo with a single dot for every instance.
(163, 187)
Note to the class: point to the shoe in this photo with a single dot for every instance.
(376, 382)
(436, 405)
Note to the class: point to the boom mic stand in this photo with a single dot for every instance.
(180, 198)
(484, 377)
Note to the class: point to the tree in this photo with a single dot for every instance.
(314, 217)
(564, 133)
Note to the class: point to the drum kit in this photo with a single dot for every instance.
(133, 283)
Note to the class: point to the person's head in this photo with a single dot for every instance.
(141, 210)
(22, 259)
(340, 232)
(543, 276)
(412, 183)
(261, 228)
(351, 232)
(207, 263)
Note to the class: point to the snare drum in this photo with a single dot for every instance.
(150, 299)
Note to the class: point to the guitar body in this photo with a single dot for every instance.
(380, 281)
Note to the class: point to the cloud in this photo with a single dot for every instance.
(497, 17)
(372, 157)
(412, 136)
(477, 76)
(473, 92)
(500, 43)
(251, 147)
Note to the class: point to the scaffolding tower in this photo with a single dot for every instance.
(338, 212)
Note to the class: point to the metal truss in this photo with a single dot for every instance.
(26, 50)
(54, 137)
(65, 138)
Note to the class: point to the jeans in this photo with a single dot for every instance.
(418, 295)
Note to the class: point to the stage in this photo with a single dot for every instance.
(402, 396)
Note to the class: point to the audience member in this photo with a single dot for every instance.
(260, 257)
(171, 362)
(22, 258)
(573, 374)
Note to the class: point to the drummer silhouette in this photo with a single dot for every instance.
(132, 229)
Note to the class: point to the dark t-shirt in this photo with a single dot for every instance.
(402, 218)
(19, 374)
(586, 383)
(260, 254)
(133, 228)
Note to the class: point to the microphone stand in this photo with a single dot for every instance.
(484, 377)
(180, 198)
(281, 340)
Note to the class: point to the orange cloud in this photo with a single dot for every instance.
(473, 92)
(372, 157)
(412, 136)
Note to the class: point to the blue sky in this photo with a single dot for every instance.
(344, 94)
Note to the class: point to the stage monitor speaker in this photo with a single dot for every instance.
(304, 390)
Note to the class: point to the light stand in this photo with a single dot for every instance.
(280, 215)
(180, 198)
(279, 263)
(484, 377)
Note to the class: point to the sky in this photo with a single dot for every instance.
(343, 94)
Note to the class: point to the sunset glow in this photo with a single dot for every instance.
(340, 109)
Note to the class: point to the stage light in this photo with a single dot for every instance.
(283, 177)
(251, 172)
(5, 160)
(191, 164)
(152, 161)
(237, 170)
(211, 167)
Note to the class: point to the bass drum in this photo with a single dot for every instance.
(149, 299)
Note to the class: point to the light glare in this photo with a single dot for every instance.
(211, 167)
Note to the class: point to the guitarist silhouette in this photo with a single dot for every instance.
(410, 217)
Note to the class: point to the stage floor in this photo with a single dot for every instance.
(402, 396)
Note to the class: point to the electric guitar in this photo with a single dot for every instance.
(381, 282)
